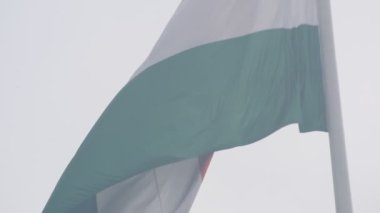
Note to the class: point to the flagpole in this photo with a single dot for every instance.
(343, 202)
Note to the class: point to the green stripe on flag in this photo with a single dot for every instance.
(216, 96)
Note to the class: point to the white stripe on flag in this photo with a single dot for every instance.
(169, 188)
(198, 22)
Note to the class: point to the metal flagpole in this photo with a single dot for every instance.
(343, 203)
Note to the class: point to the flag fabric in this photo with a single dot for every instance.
(224, 73)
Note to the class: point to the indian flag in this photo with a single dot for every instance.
(224, 73)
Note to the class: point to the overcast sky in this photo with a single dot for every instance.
(61, 62)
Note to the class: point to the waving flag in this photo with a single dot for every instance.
(224, 73)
